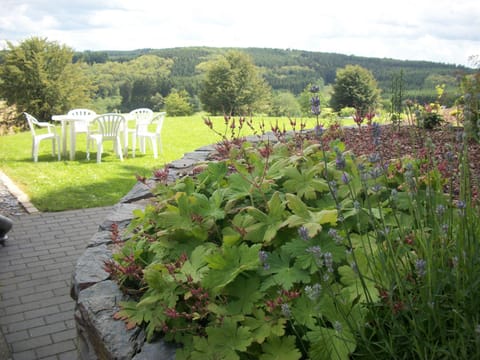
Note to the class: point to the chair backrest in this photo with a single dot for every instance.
(82, 112)
(142, 117)
(82, 126)
(109, 125)
(32, 122)
(158, 121)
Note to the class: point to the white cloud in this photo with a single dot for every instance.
(433, 30)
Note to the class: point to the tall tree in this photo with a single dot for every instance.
(233, 85)
(355, 87)
(177, 103)
(39, 77)
(284, 103)
(145, 77)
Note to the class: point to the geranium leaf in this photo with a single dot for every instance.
(304, 312)
(196, 265)
(222, 342)
(238, 187)
(262, 327)
(304, 183)
(243, 294)
(282, 273)
(311, 220)
(284, 348)
(267, 223)
(228, 262)
(230, 236)
(366, 289)
(331, 344)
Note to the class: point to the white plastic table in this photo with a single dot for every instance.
(69, 120)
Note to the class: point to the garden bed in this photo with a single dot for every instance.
(412, 141)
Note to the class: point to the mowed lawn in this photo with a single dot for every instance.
(60, 185)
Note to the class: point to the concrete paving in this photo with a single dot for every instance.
(36, 311)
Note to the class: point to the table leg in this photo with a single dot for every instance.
(72, 140)
(64, 139)
(125, 139)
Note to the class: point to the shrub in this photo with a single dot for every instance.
(347, 112)
(299, 250)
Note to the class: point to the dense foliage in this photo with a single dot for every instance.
(354, 87)
(469, 103)
(233, 85)
(292, 70)
(299, 250)
(38, 77)
(124, 80)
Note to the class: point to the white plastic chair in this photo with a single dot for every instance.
(155, 137)
(52, 135)
(106, 127)
(82, 126)
(142, 117)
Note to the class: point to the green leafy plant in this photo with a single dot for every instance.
(299, 250)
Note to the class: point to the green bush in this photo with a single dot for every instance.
(347, 112)
(298, 250)
(177, 104)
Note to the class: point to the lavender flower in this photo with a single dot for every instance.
(420, 267)
(356, 205)
(374, 158)
(303, 232)
(461, 205)
(440, 210)
(445, 228)
(333, 187)
(450, 156)
(376, 172)
(313, 292)
(328, 261)
(455, 261)
(337, 326)
(263, 256)
(315, 105)
(376, 132)
(315, 100)
(318, 130)
(286, 310)
(315, 250)
(335, 235)
(340, 162)
(376, 188)
(394, 195)
(345, 178)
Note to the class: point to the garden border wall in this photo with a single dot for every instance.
(97, 297)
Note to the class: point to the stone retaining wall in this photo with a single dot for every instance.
(97, 297)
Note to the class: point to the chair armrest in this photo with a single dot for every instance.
(49, 126)
(44, 124)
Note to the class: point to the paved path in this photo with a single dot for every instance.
(36, 311)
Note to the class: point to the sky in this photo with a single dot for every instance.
(444, 31)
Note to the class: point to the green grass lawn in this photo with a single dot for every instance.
(60, 185)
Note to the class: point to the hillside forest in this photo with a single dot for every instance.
(173, 78)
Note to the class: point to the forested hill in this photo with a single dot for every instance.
(293, 70)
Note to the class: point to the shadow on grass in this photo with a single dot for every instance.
(98, 193)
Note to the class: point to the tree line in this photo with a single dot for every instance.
(47, 77)
(293, 70)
